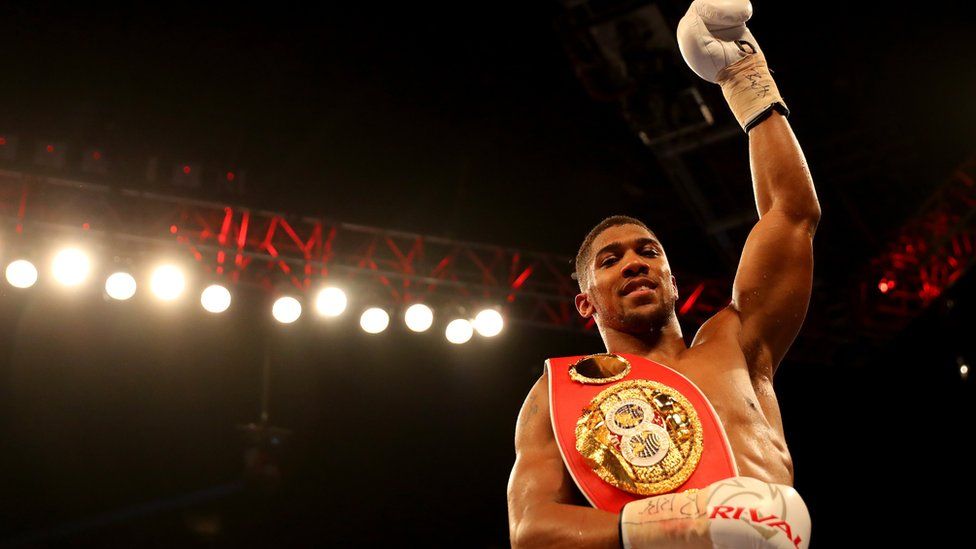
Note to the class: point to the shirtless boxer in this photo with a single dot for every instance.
(627, 288)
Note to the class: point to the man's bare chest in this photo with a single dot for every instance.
(727, 380)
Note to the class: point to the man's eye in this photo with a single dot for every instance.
(608, 261)
(651, 252)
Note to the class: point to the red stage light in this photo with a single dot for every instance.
(186, 170)
(883, 286)
(97, 155)
(3, 141)
(692, 299)
(50, 148)
(230, 176)
(173, 229)
(85, 226)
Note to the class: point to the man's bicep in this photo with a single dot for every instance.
(772, 286)
(538, 476)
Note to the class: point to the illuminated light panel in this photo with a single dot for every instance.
(21, 273)
(459, 331)
(886, 285)
(374, 320)
(215, 298)
(331, 301)
(489, 323)
(418, 317)
(286, 310)
(70, 267)
(167, 282)
(120, 286)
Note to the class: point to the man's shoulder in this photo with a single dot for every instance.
(540, 388)
(532, 426)
(723, 334)
(538, 394)
(719, 327)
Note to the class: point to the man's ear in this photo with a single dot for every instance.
(674, 283)
(583, 305)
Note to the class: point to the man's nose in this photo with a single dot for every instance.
(635, 266)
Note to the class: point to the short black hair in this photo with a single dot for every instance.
(583, 256)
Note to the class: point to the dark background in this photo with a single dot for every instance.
(464, 121)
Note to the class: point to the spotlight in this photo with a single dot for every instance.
(21, 274)
(70, 266)
(374, 320)
(215, 298)
(418, 317)
(489, 323)
(167, 282)
(286, 310)
(120, 286)
(459, 331)
(963, 368)
(330, 301)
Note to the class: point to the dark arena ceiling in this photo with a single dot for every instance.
(512, 124)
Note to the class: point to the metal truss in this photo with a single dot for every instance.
(926, 256)
(277, 251)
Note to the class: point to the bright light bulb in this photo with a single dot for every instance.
(167, 282)
(459, 331)
(489, 323)
(70, 266)
(374, 320)
(418, 317)
(120, 286)
(21, 274)
(286, 310)
(215, 298)
(330, 301)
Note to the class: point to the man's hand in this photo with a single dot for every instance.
(717, 45)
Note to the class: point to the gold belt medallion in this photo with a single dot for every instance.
(640, 436)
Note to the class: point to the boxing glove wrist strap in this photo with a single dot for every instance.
(750, 90)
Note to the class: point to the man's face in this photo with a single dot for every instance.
(630, 287)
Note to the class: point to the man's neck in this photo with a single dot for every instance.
(662, 345)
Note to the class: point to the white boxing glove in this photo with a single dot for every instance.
(735, 513)
(717, 45)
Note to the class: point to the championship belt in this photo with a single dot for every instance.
(630, 428)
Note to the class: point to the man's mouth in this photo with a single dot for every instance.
(638, 287)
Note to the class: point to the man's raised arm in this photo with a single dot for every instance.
(772, 286)
(773, 282)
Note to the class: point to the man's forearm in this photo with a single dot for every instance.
(560, 525)
(779, 171)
